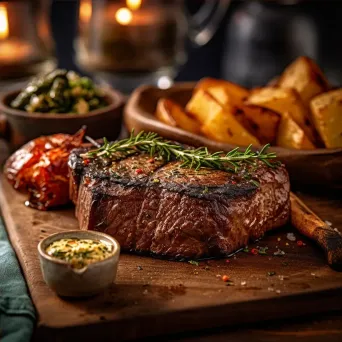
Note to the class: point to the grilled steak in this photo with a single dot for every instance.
(156, 207)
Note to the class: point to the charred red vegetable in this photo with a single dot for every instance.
(40, 168)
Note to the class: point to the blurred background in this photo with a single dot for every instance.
(129, 42)
(254, 41)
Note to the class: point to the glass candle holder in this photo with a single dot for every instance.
(25, 40)
(131, 42)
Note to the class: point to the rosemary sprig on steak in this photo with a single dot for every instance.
(153, 144)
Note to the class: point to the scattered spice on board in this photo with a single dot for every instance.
(284, 263)
(230, 283)
(225, 278)
(279, 252)
(243, 283)
(279, 239)
(282, 277)
(206, 268)
(193, 262)
(278, 291)
(227, 261)
(271, 289)
(262, 250)
(140, 268)
(271, 273)
(291, 237)
(246, 249)
(254, 251)
(300, 243)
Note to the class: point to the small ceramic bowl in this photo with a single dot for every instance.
(24, 126)
(90, 280)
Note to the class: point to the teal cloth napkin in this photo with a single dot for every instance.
(17, 315)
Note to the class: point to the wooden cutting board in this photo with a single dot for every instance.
(153, 296)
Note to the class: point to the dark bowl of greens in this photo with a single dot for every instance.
(61, 102)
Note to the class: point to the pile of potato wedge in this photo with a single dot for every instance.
(298, 110)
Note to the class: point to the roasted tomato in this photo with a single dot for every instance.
(41, 168)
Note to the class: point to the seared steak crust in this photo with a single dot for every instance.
(155, 207)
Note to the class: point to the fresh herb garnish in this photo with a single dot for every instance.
(153, 144)
(263, 250)
(193, 262)
(254, 182)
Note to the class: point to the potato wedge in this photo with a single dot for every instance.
(223, 91)
(263, 122)
(285, 101)
(290, 135)
(202, 105)
(306, 77)
(174, 115)
(327, 116)
(223, 126)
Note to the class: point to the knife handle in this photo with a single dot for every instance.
(310, 225)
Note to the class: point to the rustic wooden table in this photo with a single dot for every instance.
(326, 327)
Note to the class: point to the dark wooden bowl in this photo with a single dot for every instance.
(23, 126)
(306, 167)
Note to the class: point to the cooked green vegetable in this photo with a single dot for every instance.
(60, 91)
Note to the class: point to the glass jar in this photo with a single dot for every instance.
(133, 42)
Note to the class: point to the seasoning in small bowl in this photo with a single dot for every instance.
(80, 252)
(79, 263)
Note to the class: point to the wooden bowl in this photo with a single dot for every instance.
(24, 126)
(306, 167)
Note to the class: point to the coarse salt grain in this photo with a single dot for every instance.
(243, 283)
(291, 237)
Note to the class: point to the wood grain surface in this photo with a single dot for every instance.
(154, 296)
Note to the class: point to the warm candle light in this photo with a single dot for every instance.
(123, 16)
(3, 22)
(133, 4)
(85, 10)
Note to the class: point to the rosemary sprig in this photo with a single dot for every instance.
(153, 144)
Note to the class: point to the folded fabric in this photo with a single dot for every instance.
(17, 315)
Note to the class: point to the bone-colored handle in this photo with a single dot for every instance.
(310, 225)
